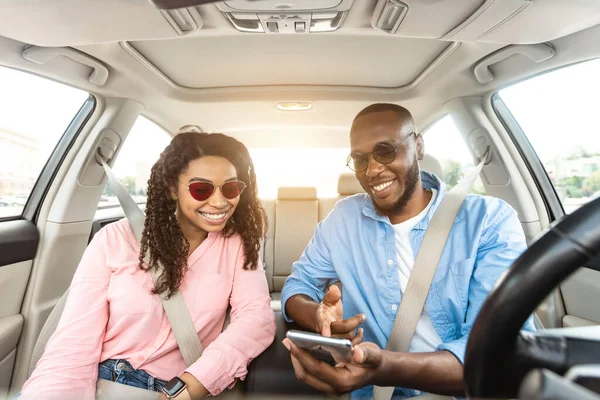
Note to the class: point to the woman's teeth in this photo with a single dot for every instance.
(213, 216)
(382, 186)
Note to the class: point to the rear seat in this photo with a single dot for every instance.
(296, 216)
(348, 185)
(267, 244)
(293, 218)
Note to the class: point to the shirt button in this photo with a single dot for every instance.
(390, 262)
(140, 358)
(394, 307)
(217, 391)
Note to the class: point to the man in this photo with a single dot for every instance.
(369, 242)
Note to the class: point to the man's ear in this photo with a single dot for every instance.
(420, 146)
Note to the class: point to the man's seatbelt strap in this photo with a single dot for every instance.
(417, 289)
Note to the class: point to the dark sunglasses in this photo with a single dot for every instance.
(202, 191)
(383, 153)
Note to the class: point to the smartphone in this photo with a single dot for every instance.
(340, 349)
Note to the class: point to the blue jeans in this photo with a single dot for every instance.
(120, 371)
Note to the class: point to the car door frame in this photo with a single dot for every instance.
(19, 241)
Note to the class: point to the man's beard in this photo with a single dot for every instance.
(411, 178)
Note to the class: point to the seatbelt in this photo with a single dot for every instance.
(177, 313)
(413, 299)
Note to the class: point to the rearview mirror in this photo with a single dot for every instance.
(170, 4)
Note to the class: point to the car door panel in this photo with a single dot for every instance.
(18, 245)
(67, 241)
(18, 241)
(579, 294)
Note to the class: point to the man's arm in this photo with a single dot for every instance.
(312, 294)
(303, 310)
(438, 372)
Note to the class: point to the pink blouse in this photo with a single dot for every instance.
(112, 314)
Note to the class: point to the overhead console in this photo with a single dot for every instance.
(291, 17)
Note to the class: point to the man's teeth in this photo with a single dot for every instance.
(214, 216)
(382, 186)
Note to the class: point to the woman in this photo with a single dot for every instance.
(203, 224)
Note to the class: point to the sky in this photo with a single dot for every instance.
(557, 112)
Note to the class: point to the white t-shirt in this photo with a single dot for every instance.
(426, 338)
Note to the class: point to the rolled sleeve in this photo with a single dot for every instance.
(314, 271)
(457, 347)
(502, 242)
(251, 331)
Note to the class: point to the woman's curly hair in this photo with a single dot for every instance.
(162, 237)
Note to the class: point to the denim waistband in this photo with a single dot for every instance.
(121, 371)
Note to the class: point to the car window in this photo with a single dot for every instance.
(35, 113)
(558, 114)
(319, 167)
(141, 150)
(444, 142)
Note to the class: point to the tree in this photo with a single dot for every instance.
(592, 184)
(574, 192)
(573, 186)
(576, 181)
(453, 173)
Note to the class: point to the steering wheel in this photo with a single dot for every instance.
(494, 361)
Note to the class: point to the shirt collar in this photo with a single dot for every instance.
(429, 181)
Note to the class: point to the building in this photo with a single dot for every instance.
(19, 163)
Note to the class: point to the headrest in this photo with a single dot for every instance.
(348, 184)
(431, 164)
(297, 193)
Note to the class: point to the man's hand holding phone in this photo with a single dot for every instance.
(330, 318)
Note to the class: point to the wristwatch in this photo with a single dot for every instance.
(174, 387)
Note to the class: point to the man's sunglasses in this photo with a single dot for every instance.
(202, 191)
(383, 153)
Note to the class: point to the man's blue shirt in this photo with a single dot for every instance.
(356, 245)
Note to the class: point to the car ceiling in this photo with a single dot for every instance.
(230, 81)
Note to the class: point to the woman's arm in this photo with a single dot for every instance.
(69, 364)
(251, 331)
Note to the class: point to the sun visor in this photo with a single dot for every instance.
(492, 21)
